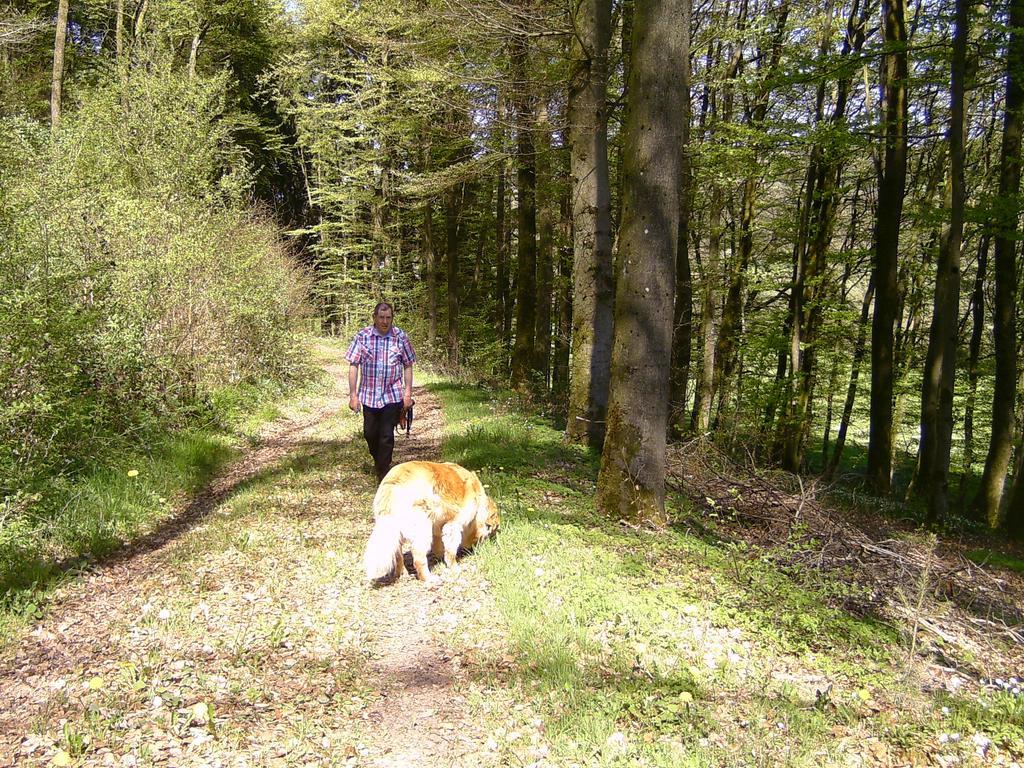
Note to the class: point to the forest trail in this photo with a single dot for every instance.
(242, 632)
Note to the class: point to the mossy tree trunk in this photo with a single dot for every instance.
(631, 483)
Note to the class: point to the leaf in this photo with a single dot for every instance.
(96, 683)
(133, 473)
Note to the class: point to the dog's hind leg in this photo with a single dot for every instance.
(451, 535)
(399, 564)
(420, 539)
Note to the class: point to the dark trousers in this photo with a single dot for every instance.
(379, 431)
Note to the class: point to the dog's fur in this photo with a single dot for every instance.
(433, 507)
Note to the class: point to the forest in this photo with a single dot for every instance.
(787, 228)
(720, 300)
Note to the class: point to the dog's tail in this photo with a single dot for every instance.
(385, 540)
(382, 548)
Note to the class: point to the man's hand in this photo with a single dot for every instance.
(407, 399)
(353, 402)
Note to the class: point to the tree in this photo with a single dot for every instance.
(1006, 228)
(940, 365)
(891, 193)
(631, 482)
(523, 354)
(57, 80)
(591, 214)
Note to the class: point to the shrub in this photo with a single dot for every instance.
(135, 276)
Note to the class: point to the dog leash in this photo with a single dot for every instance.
(407, 417)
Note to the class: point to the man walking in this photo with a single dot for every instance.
(380, 380)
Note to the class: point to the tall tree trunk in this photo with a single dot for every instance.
(118, 30)
(973, 356)
(709, 317)
(859, 349)
(523, 354)
(1014, 520)
(682, 327)
(453, 198)
(591, 219)
(500, 226)
(563, 338)
(811, 289)
(631, 483)
(940, 364)
(57, 80)
(1004, 326)
(193, 54)
(891, 192)
(545, 257)
(429, 255)
(140, 21)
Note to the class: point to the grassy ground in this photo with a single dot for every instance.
(94, 515)
(248, 637)
(636, 647)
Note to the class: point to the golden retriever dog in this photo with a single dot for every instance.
(432, 507)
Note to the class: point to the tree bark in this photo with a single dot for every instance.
(452, 232)
(523, 353)
(851, 391)
(709, 317)
(940, 363)
(891, 193)
(500, 226)
(140, 20)
(973, 356)
(631, 483)
(118, 30)
(1004, 325)
(545, 258)
(430, 270)
(563, 338)
(193, 54)
(591, 217)
(57, 80)
(682, 327)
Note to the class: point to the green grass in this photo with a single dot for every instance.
(83, 519)
(996, 559)
(637, 647)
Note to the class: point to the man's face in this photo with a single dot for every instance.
(382, 320)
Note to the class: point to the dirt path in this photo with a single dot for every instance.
(241, 632)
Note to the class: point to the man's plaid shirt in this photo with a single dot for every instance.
(382, 361)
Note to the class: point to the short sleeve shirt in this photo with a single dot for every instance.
(382, 360)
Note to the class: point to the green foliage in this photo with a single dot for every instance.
(135, 281)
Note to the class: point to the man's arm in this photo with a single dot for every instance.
(353, 388)
(407, 394)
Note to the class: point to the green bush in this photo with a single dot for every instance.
(136, 278)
